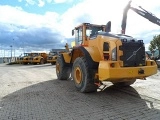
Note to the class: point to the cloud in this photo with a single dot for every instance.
(30, 30)
(32, 38)
(30, 2)
(147, 46)
(49, 1)
(18, 17)
(41, 3)
(62, 1)
(52, 30)
(104, 10)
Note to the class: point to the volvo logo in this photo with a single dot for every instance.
(134, 53)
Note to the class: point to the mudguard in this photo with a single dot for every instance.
(91, 54)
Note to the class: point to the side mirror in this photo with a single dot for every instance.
(72, 32)
(108, 27)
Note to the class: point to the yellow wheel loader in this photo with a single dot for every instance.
(39, 58)
(99, 55)
(25, 58)
(52, 57)
(102, 56)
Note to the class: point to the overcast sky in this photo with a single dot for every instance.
(41, 25)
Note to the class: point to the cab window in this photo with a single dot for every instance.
(92, 31)
(78, 36)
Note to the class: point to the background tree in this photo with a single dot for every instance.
(155, 44)
(152, 48)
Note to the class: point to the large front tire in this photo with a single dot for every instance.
(62, 70)
(83, 76)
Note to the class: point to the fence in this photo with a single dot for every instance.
(7, 59)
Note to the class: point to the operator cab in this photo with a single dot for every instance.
(85, 32)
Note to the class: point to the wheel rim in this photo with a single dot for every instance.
(78, 75)
(57, 68)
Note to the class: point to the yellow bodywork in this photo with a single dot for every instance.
(112, 70)
(52, 59)
(106, 71)
(95, 47)
(26, 60)
(67, 57)
(38, 57)
(94, 53)
(108, 68)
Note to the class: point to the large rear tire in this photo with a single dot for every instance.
(123, 84)
(83, 76)
(62, 70)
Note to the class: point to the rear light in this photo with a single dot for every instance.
(152, 63)
(106, 51)
(112, 65)
(106, 56)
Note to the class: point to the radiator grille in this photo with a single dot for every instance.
(133, 53)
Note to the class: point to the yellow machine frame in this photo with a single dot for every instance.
(105, 61)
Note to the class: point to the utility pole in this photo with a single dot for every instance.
(11, 52)
(0, 50)
(1, 54)
(4, 53)
(14, 47)
(4, 56)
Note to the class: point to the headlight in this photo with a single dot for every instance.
(114, 54)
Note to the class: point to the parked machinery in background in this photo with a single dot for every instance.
(25, 59)
(52, 57)
(39, 58)
(53, 54)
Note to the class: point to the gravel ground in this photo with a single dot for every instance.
(32, 92)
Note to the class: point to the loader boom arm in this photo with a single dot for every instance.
(142, 12)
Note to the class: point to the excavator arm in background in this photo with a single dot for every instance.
(142, 12)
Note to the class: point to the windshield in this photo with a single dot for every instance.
(35, 54)
(93, 30)
(52, 53)
(27, 54)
